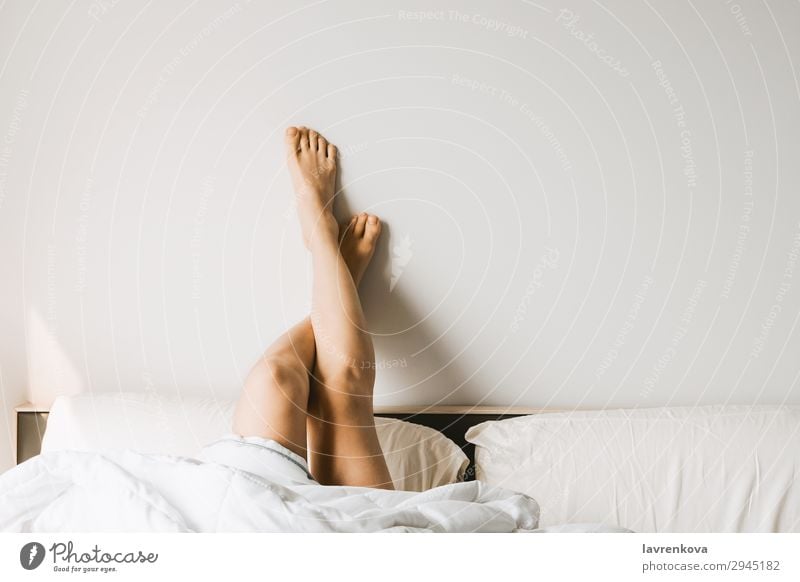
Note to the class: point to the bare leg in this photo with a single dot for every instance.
(344, 448)
(343, 443)
(276, 394)
(274, 400)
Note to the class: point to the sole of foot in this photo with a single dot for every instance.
(312, 166)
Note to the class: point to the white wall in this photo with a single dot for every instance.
(588, 203)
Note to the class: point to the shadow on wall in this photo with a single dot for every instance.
(409, 354)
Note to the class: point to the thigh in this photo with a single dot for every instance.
(273, 405)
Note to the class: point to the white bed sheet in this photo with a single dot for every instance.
(135, 492)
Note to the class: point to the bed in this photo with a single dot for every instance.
(678, 469)
(452, 421)
(147, 462)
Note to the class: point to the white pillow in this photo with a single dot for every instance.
(702, 469)
(418, 457)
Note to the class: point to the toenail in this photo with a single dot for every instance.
(373, 220)
(291, 130)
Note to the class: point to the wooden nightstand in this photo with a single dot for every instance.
(31, 424)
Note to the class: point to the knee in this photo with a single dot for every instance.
(352, 376)
(275, 376)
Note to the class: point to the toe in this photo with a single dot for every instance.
(313, 138)
(360, 225)
(322, 146)
(373, 227)
(303, 138)
(332, 151)
(292, 137)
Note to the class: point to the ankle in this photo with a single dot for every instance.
(324, 232)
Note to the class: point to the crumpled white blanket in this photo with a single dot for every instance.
(134, 492)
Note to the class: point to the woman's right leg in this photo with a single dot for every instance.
(343, 443)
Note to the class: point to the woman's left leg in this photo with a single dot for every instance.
(274, 401)
(345, 449)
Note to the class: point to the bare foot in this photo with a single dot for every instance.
(357, 243)
(312, 165)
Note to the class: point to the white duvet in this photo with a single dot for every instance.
(132, 492)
